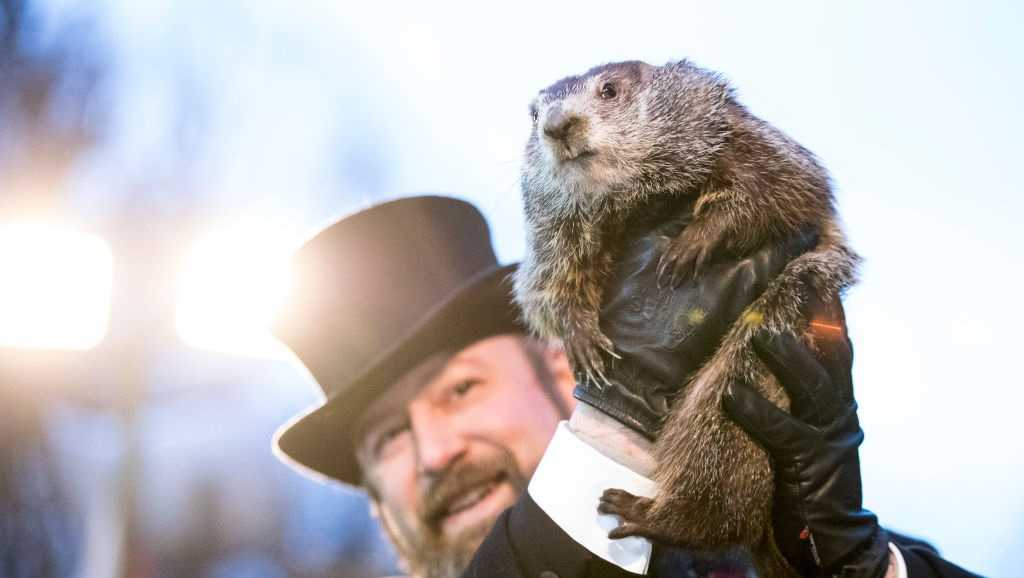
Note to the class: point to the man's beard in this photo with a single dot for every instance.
(419, 538)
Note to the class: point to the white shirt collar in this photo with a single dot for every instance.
(568, 484)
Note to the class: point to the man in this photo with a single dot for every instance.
(438, 404)
(441, 408)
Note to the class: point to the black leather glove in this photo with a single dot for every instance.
(820, 524)
(663, 335)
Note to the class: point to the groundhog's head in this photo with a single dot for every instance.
(626, 128)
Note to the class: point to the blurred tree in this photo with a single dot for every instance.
(38, 532)
(47, 120)
(64, 105)
(44, 94)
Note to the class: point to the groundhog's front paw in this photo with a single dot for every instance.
(632, 510)
(684, 258)
(584, 344)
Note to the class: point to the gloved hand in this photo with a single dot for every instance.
(662, 334)
(820, 524)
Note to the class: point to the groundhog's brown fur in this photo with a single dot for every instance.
(603, 146)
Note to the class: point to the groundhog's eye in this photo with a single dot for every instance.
(533, 112)
(608, 91)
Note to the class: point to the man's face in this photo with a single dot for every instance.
(453, 442)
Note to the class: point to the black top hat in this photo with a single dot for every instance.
(376, 293)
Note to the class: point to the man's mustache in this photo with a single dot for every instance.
(442, 489)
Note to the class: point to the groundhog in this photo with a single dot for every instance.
(604, 146)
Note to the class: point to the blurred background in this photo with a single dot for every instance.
(159, 161)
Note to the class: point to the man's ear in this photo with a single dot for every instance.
(374, 508)
(558, 364)
(372, 495)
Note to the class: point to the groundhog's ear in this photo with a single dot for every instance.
(681, 65)
(646, 72)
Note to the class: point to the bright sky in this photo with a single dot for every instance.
(313, 109)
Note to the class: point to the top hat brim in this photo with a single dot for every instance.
(320, 442)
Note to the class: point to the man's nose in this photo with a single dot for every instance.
(558, 123)
(437, 444)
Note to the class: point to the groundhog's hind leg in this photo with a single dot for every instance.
(634, 512)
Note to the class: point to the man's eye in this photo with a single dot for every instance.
(463, 387)
(387, 436)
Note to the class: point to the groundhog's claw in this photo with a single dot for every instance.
(632, 510)
(584, 346)
(587, 361)
(626, 530)
(684, 258)
(678, 264)
(624, 505)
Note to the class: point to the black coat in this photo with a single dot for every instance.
(526, 543)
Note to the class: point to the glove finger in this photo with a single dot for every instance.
(771, 427)
(813, 398)
(827, 326)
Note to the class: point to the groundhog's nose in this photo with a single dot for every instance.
(558, 123)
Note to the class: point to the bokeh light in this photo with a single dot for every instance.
(56, 285)
(231, 286)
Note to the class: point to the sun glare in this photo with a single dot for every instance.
(233, 283)
(55, 286)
